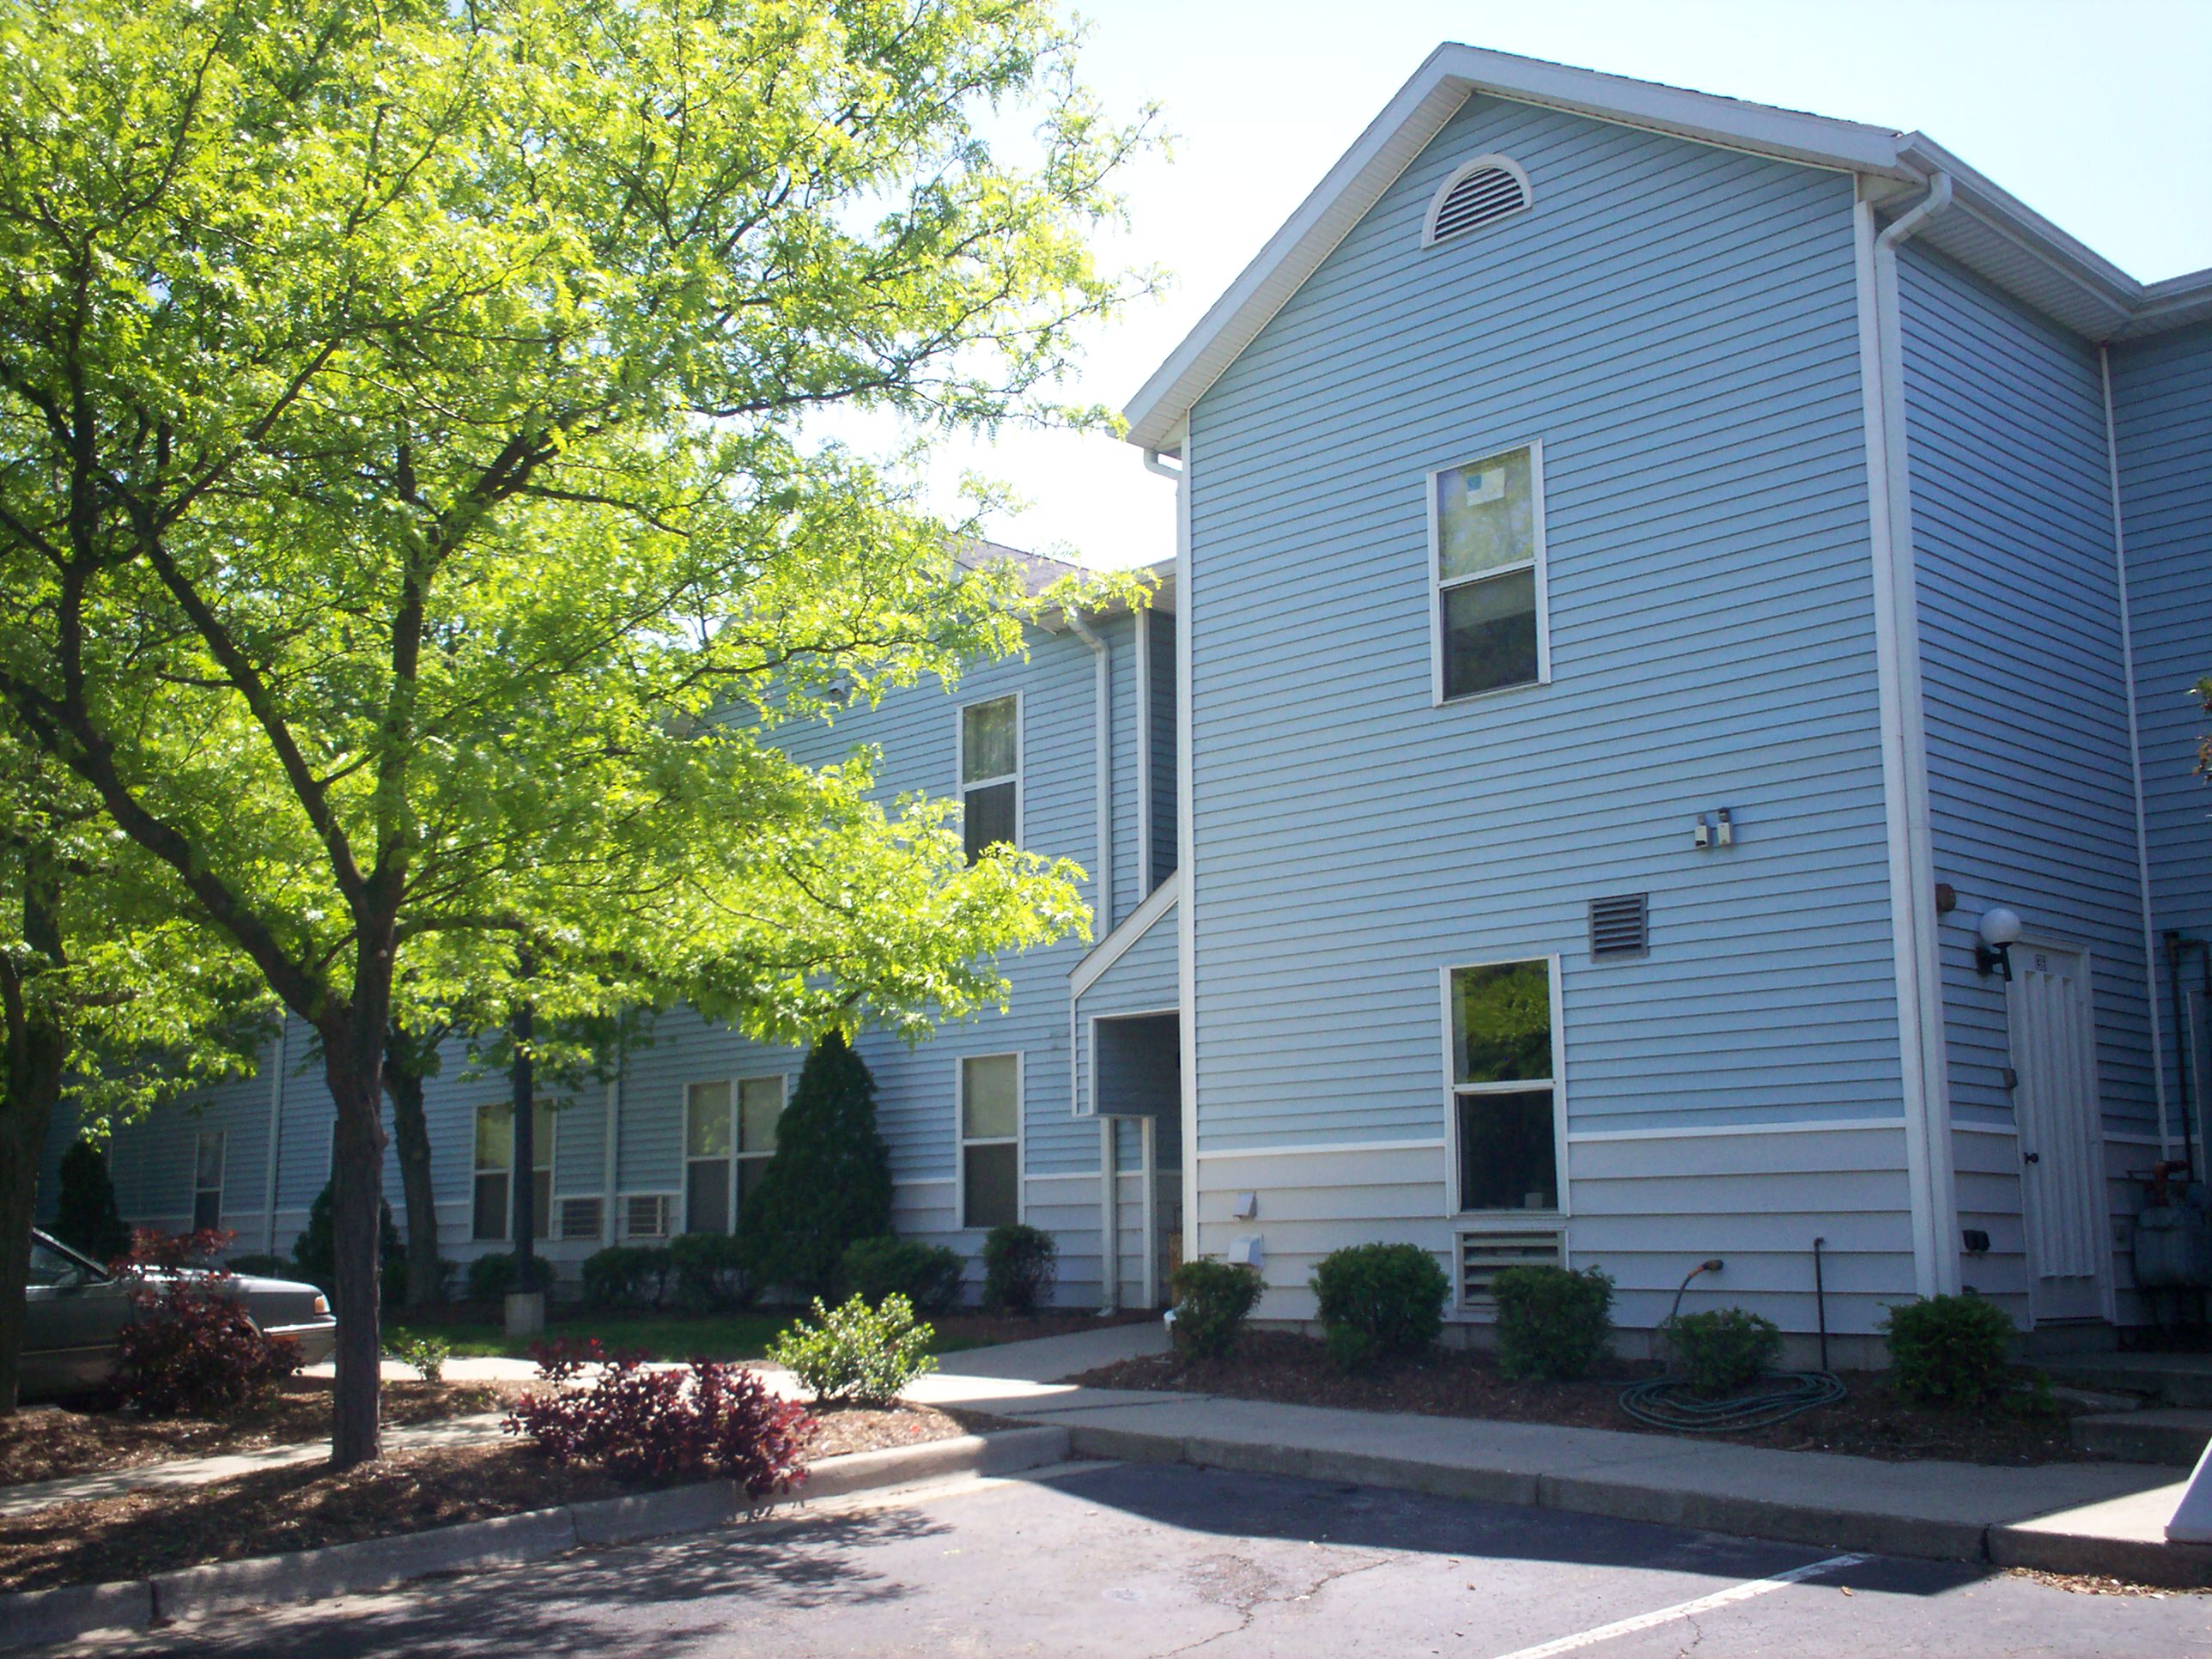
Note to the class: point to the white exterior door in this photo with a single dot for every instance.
(2054, 1054)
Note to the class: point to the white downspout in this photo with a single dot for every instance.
(1929, 1160)
(276, 1130)
(1101, 657)
(1186, 850)
(2134, 761)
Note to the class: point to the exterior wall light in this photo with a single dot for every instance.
(1994, 937)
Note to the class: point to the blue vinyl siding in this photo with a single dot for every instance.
(2162, 398)
(1677, 323)
(2031, 794)
(1160, 710)
(1142, 981)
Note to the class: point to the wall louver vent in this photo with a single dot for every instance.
(648, 1215)
(1483, 1256)
(1480, 193)
(1620, 926)
(580, 1217)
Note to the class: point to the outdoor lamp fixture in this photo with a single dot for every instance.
(1994, 937)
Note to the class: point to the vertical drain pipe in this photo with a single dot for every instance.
(1101, 657)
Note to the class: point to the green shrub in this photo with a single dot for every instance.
(1949, 1349)
(829, 1181)
(927, 1275)
(1378, 1300)
(85, 1216)
(857, 1353)
(708, 1272)
(1019, 1264)
(1553, 1323)
(1212, 1299)
(492, 1278)
(315, 1253)
(627, 1276)
(425, 1355)
(1724, 1350)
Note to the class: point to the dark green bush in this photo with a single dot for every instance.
(315, 1254)
(1949, 1349)
(1019, 1264)
(627, 1276)
(828, 1183)
(928, 1276)
(1212, 1299)
(1553, 1323)
(86, 1217)
(1725, 1349)
(492, 1278)
(707, 1272)
(1378, 1300)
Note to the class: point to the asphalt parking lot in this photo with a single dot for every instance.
(1153, 1561)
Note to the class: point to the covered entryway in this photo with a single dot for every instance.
(1137, 1060)
(2054, 1056)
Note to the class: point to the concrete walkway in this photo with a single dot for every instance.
(2075, 1517)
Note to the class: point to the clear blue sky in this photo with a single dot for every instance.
(2097, 115)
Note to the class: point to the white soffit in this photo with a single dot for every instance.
(1989, 230)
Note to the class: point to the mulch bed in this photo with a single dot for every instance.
(1871, 1422)
(275, 1511)
(44, 1443)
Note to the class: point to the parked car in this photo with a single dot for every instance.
(75, 1307)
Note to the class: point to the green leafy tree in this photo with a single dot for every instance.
(828, 1184)
(411, 530)
(86, 1214)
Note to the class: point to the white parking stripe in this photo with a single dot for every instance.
(1590, 1639)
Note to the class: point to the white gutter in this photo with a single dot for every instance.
(1101, 657)
(1923, 1063)
(2134, 761)
(276, 1130)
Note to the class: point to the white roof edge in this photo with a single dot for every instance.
(1135, 925)
(1453, 72)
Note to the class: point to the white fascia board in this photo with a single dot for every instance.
(1135, 925)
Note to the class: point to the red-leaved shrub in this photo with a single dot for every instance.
(153, 1251)
(639, 1424)
(191, 1351)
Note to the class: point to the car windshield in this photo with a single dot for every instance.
(53, 1266)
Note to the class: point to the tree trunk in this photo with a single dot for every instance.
(37, 1059)
(410, 1132)
(525, 1177)
(356, 1196)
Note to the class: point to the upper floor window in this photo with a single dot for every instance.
(1486, 552)
(1478, 192)
(990, 773)
(1506, 1120)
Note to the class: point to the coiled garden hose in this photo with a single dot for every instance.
(1669, 1402)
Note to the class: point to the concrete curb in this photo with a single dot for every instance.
(36, 1618)
(1925, 1537)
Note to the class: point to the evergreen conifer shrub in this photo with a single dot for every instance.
(830, 1182)
(87, 1218)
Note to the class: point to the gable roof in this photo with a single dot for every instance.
(1986, 228)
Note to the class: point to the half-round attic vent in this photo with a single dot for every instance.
(1478, 192)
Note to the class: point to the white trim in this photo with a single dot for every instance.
(961, 1142)
(1324, 1149)
(1055, 1175)
(1557, 1083)
(1110, 950)
(960, 784)
(1537, 561)
(610, 1172)
(1837, 1126)
(1089, 1038)
(1110, 1216)
(1102, 883)
(1187, 846)
(926, 1181)
(1436, 91)
(1459, 174)
(1977, 1126)
(1935, 1267)
(2129, 1137)
(2135, 760)
(1141, 670)
(1148, 1160)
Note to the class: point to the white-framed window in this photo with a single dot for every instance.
(1507, 1103)
(989, 1110)
(760, 1106)
(207, 1154)
(991, 773)
(492, 1212)
(1478, 192)
(1489, 617)
(709, 1140)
